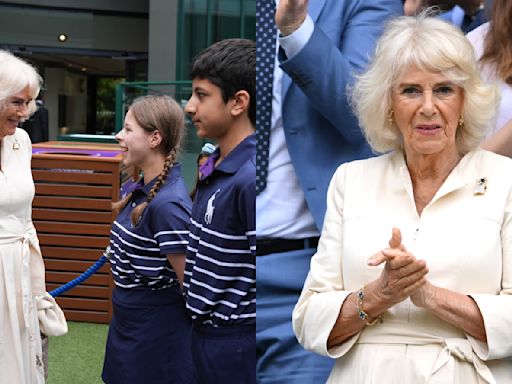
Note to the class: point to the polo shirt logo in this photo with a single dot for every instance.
(208, 216)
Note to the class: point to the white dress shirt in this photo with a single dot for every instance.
(281, 209)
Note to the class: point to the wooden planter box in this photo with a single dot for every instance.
(76, 184)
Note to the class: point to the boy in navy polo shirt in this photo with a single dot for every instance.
(220, 272)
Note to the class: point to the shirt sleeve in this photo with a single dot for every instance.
(27, 146)
(496, 310)
(323, 294)
(170, 221)
(292, 44)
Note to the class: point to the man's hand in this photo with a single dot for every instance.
(290, 15)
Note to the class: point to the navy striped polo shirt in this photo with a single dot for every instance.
(220, 272)
(138, 254)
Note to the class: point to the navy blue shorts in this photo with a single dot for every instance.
(149, 338)
(224, 355)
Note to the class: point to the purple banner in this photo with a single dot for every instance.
(74, 151)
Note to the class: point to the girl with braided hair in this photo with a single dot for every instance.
(148, 338)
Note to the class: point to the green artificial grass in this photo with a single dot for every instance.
(77, 357)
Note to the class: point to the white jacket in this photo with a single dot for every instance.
(465, 238)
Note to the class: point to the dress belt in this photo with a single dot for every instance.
(25, 271)
(278, 245)
(444, 368)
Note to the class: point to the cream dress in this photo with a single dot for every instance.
(21, 267)
(466, 239)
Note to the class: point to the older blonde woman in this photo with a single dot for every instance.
(413, 272)
(25, 307)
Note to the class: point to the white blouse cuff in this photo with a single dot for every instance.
(323, 311)
(495, 310)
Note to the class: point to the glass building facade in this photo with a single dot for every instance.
(203, 22)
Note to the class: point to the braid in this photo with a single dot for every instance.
(163, 114)
(139, 209)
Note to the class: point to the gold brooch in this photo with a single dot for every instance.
(481, 186)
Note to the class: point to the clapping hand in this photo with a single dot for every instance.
(290, 15)
(402, 276)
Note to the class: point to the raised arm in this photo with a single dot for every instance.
(341, 44)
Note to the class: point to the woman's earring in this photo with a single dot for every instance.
(461, 121)
(391, 113)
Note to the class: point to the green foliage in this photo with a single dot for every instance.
(106, 104)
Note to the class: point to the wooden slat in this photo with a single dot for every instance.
(87, 316)
(75, 177)
(71, 215)
(64, 277)
(116, 185)
(70, 162)
(71, 202)
(71, 253)
(83, 291)
(85, 304)
(73, 190)
(74, 241)
(72, 228)
(72, 266)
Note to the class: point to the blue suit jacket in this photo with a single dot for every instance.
(321, 130)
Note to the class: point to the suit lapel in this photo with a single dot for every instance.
(314, 9)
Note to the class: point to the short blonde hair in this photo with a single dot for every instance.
(435, 46)
(15, 75)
